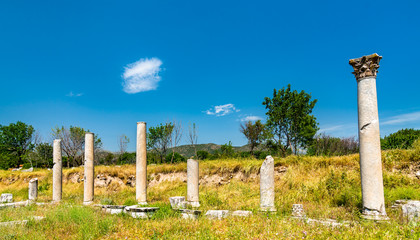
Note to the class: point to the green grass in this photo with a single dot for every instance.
(327, 187)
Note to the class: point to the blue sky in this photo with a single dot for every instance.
(105, 65)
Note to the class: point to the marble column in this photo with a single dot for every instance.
(89, 169)
(141, 164)
(365, 69)
(192, 182)
(33, 189)
(267, 185)
(57, 171)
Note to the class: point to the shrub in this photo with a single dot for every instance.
(324, 145)
(176, 158)
(201, 155)
(402, 139)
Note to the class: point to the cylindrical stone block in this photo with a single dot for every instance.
(370, 148)
(192, 182)
(33, 189)
(89, 169)
(267, 185)
(57, 171)
(141, 164)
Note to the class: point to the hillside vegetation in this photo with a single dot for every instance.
(328, 187)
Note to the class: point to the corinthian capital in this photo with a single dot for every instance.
(366, 66)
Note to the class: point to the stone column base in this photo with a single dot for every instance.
(194, 204)
(87, 203)
(142, 203)
(268, 209)
(374, 215)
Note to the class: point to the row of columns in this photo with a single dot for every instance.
(365, 70)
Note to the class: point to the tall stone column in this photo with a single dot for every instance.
(89, 169)
(33, 189)
(57, 171)
(365, 69)
(141, 164)
(267, 185)
(192, 182)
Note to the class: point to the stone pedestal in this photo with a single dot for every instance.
(190, 214)
(298, 211)
(192, 183)
(217, 214)
(113, 209)
(57, 171)
(365, 69)
(33, 189)
(141, 212)
(177, 202)
(6, 198)
(267, 185)
(141, 164)
(89, 169)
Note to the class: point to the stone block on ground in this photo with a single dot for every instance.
(411, 210)
(177, 202)
(217, 214)
(190, 213)
(6, 198)
(140, 212)
(298, 211)
(241, 213)
(113, 209)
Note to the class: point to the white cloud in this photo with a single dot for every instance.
(403, 118)
(142, 76)
(71, 94)
(222, 110)
(251, 118)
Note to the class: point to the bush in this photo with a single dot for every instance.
(176, 158)
(324, 145)
(201, 155)
(402, 139)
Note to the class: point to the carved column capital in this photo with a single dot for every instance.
(366, 66)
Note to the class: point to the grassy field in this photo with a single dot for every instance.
(328, 187)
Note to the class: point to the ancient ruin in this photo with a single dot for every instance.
(192, 182)
(89, 169)
(267, 185)
(57, 171)
(141, 164)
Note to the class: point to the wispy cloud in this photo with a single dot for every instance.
(142, 76)
(403, 118)
(332, 128)
(222, 110)
(251, 118)
(71, 94)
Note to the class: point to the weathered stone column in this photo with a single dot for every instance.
(89, 169)
(192, 183)
(365, 69)
(33, 189)
(267, 185)
(57, 171)
(141, 164)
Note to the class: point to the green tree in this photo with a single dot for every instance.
(15, 141)
(227, 150)
(254, 133)
(289, 119)
(73, 143)
(159, 139)
(44, 155)
(401, 139)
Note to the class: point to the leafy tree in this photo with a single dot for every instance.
(73, 143)
(325, 145)
(289, 119)
(15, 141)
(175, 158)
(159, 139)
(253, 132)
(44, 155)
(401, 139)
(227, 150)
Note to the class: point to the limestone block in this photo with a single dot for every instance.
(411, 210)
(190, 214)
(298, 211)
(6, 198)
(217, 214)
(192, 182)
(141, 212)
(241, 213)
(113, 209)
(177, 202)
